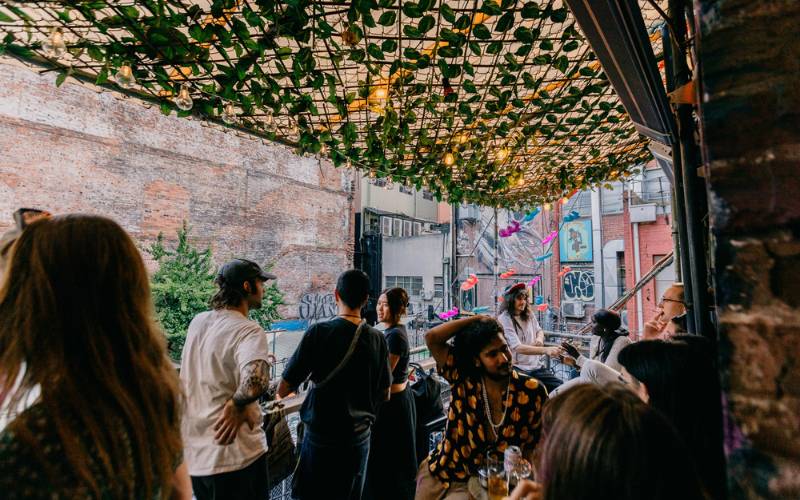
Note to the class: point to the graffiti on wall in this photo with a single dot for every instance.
(316, 307)
(579, 285)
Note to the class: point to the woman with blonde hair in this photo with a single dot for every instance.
(76, 322)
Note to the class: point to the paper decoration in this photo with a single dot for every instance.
(573, 215)
(564, 271)
(469, 282)
(448, 314)
(550, 237)
(480, 310)
(538, 300)
(534, 281)
(530, 215)
(542, 307)
(511, 272)
(544, 257)
(510, 230)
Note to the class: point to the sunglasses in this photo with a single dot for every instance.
(25, 216)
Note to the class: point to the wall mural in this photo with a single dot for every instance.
(579, 285)
(575, 241)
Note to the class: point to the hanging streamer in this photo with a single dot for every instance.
(510, 230)
(542, 307)
(534, 281)
(544, 257)
(469, 283)
(511, 272)
(550, 237)
(448, 314)
(564, 271)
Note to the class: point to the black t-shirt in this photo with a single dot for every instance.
(348, 403)
(397, 341)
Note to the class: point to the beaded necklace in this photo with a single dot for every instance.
(487, 409)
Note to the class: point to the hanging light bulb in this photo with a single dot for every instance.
(564, 200)
(546, 206)
(54, 47)
(295, 129)
(323, 150)
(371, 174)
(228, 113)
(184, 99)
(449, 159)
(502, 154)
(269, 122)
(381, 93)
(389, 185)
(521, 180)
(124, 76)
(463, 138)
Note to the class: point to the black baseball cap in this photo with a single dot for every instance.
(235, 272)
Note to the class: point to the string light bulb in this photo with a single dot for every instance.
(546, 206)
(124, 76)
(381, 93)
(228, 113)
(463, 138)
(54, 47)
(323, 149)
(295, 129)
(502, 154)
(269, 122)
(184, 99)
(449, 159)
(564, 200)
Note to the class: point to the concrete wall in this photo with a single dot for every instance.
(394, 201)
(70, 149)
(749, 56)
(415, 256)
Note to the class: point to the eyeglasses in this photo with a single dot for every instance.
(665, 299)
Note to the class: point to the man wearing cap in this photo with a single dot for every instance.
(224, 370)
(525, 337)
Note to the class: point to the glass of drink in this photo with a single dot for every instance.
(497, 482)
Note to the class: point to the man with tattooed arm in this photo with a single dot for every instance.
(224, 370)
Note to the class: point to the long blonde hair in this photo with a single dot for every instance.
(75, 309)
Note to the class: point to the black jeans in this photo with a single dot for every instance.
(547, 377)
(330, 468)
(249, 483)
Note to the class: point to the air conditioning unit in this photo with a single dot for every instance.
(386, 226)
(572, 309)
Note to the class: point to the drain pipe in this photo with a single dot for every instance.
(637, 270)
(597, 247)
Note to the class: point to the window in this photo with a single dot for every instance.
(411, 284)
(407, 228)
(581, 203)
(665, 278)
(656, 187)
(611, 199)
(406, 189)
(417, 228)
(620, 274)
(386, 226)
(397, 227)
(438, 287)
(427, 195)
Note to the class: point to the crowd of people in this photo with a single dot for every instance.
(95, 409)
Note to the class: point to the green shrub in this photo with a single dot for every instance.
(184, 284)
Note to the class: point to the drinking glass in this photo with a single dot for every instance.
(496, 479)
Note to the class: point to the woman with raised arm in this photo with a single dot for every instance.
(76, 312)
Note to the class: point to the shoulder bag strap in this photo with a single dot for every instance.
(346, 357)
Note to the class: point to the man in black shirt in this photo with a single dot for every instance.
(339, 414)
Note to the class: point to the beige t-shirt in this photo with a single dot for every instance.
(218, 344)
(529, 333)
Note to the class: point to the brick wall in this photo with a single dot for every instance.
(70, 149)
(655, 241)
(749, 56)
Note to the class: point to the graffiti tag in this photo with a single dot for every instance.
(317, 307)
(579, 285)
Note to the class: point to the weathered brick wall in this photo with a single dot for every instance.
(749, 66)
(70, 149)
(655, 241)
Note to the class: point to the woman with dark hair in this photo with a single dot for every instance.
(76, 310)
(604, 443)
(525, 337)
(392, 464)
(679, 379)
(608, 339)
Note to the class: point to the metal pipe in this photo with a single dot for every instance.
(679, 206)
(597, 246)
(697, 270)
(496, 262)
(637, 272)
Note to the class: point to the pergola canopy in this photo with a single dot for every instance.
(494, 102)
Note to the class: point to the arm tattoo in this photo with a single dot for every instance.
(255, 382)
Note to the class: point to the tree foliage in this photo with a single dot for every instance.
(184, 284)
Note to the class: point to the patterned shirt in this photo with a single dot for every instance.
(42, 471)
(468, 435)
